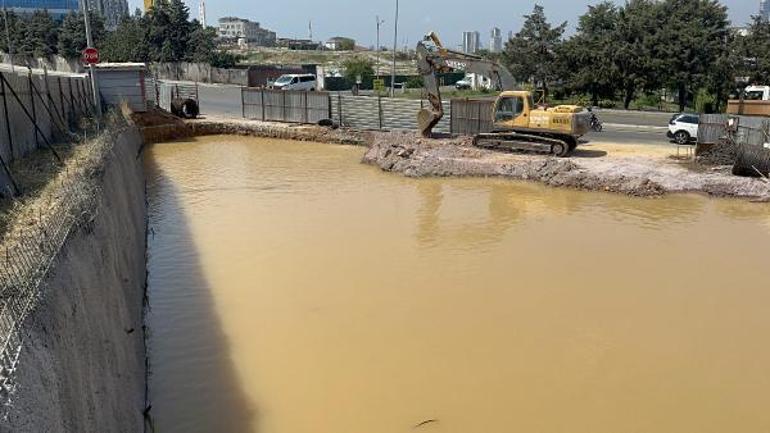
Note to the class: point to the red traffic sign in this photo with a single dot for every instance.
(90, 56)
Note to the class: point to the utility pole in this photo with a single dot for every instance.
(395, 50)
(377, 48)
(90, 44)
(8, 35)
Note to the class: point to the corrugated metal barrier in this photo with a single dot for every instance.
(471, 116)
(465, 117)
(285, 106)
(750, 130)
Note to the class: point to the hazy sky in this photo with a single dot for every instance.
(356, 18)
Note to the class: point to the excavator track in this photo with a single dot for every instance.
(508, 141)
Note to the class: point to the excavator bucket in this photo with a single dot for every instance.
(426, 121)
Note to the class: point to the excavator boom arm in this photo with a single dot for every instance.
(433, 58)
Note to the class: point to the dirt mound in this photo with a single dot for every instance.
(155, 117)
(722, 153)
(632, 174)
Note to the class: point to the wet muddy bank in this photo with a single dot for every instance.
(170, 128)
(642, 173)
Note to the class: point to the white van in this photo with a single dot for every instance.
(304, 82)
(757, 93)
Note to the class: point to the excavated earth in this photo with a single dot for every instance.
(639, 173)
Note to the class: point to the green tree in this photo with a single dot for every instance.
(695, 34)
(587, 59)
(180, 29)
(16, 32)
(41, 36)
(224, 59)
(638, 48)
(128, 42)
(72, 34)
(201, 44)
(358, 67)
(752, 51)
(531, 53)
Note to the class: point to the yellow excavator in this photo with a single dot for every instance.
(517, 123)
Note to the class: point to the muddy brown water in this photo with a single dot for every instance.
(294, 290)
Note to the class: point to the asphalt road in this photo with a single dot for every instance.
(624, 127)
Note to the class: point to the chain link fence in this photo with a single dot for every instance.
(31, 245)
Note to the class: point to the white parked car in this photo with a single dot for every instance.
(304, 82)
(757, 93)
(683, 128)
(464, 84)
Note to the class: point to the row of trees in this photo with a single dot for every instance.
(685, 46)
(164, 34)
(39, 35)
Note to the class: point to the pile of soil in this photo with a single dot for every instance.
(631, 174)
(722, 153)
(155, 117)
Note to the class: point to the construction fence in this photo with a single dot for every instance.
(362, 112)
(748, 130)
(36, 110)
(285, 106)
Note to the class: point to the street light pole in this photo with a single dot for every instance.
(90, 44)
(379, 23)
(8, 35)
(395, 50)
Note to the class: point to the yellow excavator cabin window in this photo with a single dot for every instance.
(508, 108)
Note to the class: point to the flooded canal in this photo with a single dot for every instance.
(294, 290)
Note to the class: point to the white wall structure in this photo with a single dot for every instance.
(235, 28)
(123, 83)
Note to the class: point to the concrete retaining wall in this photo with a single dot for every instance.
(82, 366)
(199, 72)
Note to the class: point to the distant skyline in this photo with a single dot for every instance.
(356, 19)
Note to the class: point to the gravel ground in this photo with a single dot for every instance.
(628, 169)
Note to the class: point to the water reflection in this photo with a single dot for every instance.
(291, 282)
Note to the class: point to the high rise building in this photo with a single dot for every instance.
(496, 40)
(471, 42)
(57, 8)
(113, 11)
(764, 9)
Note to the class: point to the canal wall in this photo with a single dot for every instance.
(81, 362)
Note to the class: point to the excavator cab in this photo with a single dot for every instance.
(512, 109)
